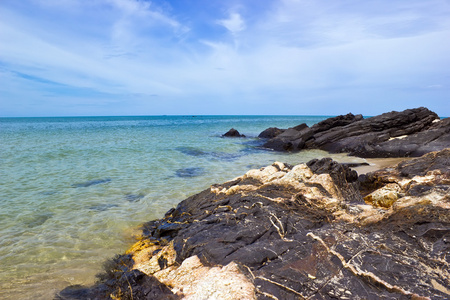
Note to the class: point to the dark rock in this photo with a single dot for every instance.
(354, 165)
(233, 133)
(435, 163)
(280, 144)
(301, 232)
(341, 175)
(300, 127)
(338, 121)
(132, 284)
(75, 292)
(294, 139)
(437, 137)
(271, 133)
(412, 132)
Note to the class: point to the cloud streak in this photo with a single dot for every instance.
(234, 23)
(106, 57)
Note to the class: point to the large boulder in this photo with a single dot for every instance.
(412, 132)
(311, 231)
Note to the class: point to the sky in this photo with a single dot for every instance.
(223, 57)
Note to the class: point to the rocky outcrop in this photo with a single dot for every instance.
(233, 133)
(412, 132)
(310, 231)
(436, 137)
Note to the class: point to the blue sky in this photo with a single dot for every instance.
(291, 57)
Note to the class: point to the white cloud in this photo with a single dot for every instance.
(234, 23)
(293, 50)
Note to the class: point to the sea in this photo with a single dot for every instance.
(75, 190)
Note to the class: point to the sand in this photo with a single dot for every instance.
(379, 163)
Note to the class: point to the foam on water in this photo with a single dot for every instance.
(74, 190)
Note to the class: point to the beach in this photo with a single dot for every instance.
(378, 163)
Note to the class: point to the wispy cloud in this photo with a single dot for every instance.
(234, 23)
(290, 56)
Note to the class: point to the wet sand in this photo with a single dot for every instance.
(379, 163)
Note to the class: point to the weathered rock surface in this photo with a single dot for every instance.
(297, 232)
(412, 132)
(233, 133)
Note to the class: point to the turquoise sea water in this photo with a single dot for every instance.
(73, 191)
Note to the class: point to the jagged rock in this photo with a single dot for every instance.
(233, 133)
(302, 232)
(412, 132)
(436, 137)
(294, 139)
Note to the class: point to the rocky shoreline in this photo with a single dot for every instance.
(410, 133)
(311, 231)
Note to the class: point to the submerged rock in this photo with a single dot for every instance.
(91, 182)
(298, 232)
(134, 197)
(103, 207)
(190, 172)
(412, 132)
(224, 156)
(35, 219)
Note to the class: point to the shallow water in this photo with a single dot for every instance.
(75, 190)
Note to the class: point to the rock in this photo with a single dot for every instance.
(338, 121)
(385, 196)
(432, 170)
(412, 132)
(286, 138)
(271, 133)
(233, 133)
(437, 137)
(300, 127)
(299, 232)
(354, 165)
(294, 139)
